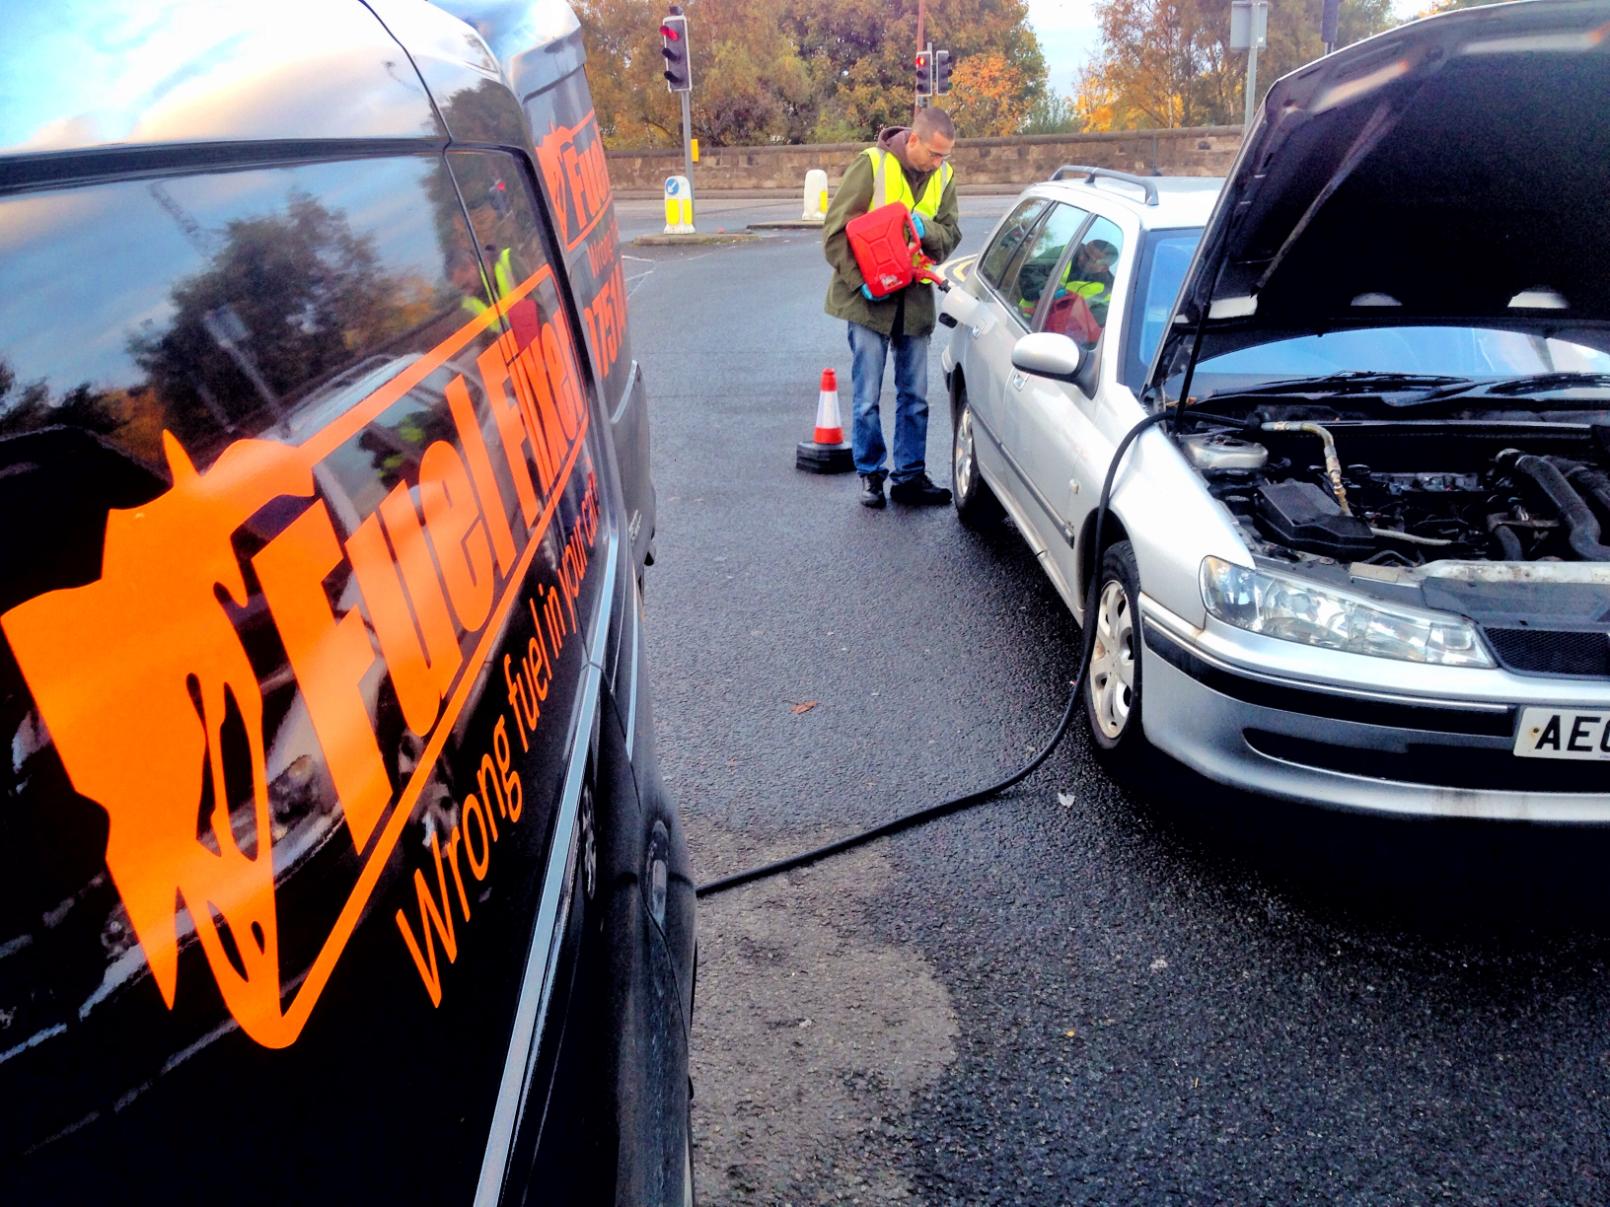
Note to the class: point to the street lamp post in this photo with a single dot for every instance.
(1249, 31)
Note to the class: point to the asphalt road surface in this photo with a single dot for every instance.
(1086, 991)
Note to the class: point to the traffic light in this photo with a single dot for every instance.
(674, 46)
(1328, 15)
(942, 67)
(925, 74)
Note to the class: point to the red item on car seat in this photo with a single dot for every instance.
(887, 250)
(1070, 315)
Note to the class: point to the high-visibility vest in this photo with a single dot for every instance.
(889, 183)
(1089, 290)
(503, 271)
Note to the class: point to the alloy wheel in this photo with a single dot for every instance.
(1112, 662)
(962, 469)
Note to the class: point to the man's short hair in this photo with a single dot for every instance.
(930, 122)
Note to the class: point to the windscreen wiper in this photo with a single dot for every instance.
(1354, 381)
(1530, 383)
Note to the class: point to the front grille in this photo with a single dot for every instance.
(1579, 652)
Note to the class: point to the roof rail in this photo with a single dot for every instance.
(1069, 170)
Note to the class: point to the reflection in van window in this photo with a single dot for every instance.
(222, 303)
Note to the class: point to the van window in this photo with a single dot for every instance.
(508, 242)
(221, 304)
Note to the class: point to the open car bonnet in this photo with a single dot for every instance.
(1452, 172)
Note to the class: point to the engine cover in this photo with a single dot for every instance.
(1302, 516)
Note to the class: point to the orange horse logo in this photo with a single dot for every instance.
(136, 676)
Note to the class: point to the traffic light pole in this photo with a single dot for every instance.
(922, 19)
(1252, 83)
(687, 137)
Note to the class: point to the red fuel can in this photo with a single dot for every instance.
(887, 250)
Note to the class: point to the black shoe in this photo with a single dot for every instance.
(919, 492)
(872, 491)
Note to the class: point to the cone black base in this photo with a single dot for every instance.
(824, 458)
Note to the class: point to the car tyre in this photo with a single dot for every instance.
(976, 504)
(1112, 686)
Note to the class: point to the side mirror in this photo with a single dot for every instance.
(1047, 354)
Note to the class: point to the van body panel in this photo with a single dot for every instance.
(333, 864)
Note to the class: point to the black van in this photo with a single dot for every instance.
(335, 863)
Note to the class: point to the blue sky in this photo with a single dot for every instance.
(1067, 32)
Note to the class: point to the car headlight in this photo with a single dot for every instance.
(1294, 609)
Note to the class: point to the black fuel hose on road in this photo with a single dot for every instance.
(919, 817)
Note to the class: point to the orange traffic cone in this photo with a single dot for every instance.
(827, 452)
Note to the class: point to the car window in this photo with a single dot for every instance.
(1014, 231)
(1027, 284)
(1078, 307)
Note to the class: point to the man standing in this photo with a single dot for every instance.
(909, 166)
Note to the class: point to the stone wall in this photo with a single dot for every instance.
(1009, 162)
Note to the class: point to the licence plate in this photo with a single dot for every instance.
(1563, 733)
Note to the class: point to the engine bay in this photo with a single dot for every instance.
(1311, 482)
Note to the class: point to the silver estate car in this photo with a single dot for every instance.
(1365, 562)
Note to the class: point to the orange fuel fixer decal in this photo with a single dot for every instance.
(573, 168)
(141, 676)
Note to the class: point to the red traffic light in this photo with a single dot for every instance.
(667, 32)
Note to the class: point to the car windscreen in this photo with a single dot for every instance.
(1164, 258)
(1472, 352)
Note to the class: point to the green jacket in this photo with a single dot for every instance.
(941, 234)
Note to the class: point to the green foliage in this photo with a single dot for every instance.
(1053, 114)
(1168, 62)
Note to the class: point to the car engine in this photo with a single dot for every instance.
(1308, 482)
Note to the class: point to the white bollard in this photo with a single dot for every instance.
(815, 196)
(678, 206)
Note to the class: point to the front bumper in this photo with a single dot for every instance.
(1357, 746)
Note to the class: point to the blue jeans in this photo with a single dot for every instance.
(869, 351)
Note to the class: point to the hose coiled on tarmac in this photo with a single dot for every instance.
(922, 816)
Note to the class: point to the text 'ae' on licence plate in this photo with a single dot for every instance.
(1564, 733)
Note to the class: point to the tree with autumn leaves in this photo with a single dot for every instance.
(802, 71)
(794, 71)
(1168, 63)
